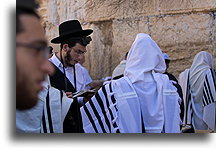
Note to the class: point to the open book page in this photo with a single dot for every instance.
(83, 93)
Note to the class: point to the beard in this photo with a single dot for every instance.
(68, 59)
(25, 97)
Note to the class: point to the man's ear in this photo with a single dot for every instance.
(65, 47)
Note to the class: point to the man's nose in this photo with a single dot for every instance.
(48, 68)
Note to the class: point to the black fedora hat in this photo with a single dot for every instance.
(26, 4)
(70, 29)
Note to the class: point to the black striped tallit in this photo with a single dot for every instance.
(108, 104)
(208, 97)
(107, 121)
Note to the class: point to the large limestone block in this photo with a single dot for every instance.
(182, 36)
(176, 6)
(124, 33)
(180, 30)
(100, 10)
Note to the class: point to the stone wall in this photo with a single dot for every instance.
(181, 28)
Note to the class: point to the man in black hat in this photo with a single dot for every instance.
(31, 62)
(69, 76)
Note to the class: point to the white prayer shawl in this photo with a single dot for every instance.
(145, 67)
(47, 116)
(143, 95)
(202, 90)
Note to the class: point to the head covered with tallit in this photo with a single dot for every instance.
(144, 56)
(202, 62)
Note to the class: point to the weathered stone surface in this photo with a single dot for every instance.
(181, 29)
(99, 51)
(105, 10)
(200, 4)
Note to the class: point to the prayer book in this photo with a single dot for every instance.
(83, 93)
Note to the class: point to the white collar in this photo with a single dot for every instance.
(55, 60)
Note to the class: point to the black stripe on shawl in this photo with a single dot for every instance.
(209, 89)
(99, 100)
(143, 127)
(49, 113)
(90, 117)
(206, 93)
(107, 103)
(118, 77)
(188, 97)
(113, 101)
(97, 116)
(205, 97)
(44, 123)
(112, 97)
(213, 77)
(204, 101)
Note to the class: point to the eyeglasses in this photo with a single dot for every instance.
(79, 52)
(39, 49)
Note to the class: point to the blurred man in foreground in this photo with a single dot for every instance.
(31, 58)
